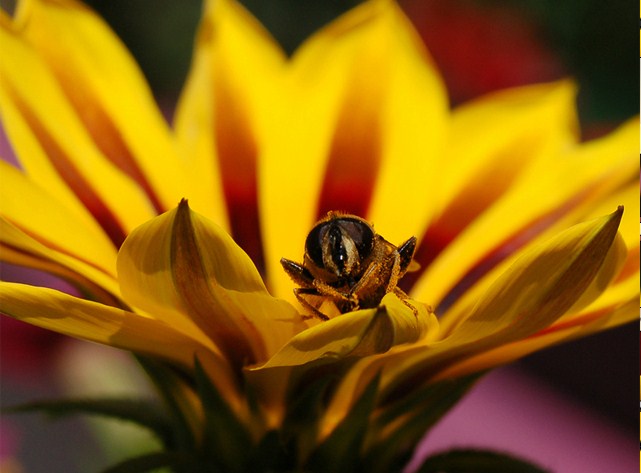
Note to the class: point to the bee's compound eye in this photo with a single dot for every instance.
(314, 243)
(360, 233)
(331, 244)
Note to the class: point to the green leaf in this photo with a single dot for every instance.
(227, 443)
(143, 412)
(408, 420)
(154, 461)
(340, 452)
(476, 461)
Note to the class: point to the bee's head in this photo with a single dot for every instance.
(338, 244)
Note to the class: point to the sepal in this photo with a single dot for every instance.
(226, 441)
(341, 451)
(176, 394)
(405, 422)
(301, 424)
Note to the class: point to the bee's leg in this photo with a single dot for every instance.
(368, 278)
(299, 292)
(299, 274)
(329, 291)
(375, 281)
(406, 253)
(404, 298)
(378, 276)
(394, 273)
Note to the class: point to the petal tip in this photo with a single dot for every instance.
(616, 216)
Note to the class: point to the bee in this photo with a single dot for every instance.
(347, 264)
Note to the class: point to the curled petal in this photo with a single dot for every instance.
(615, 306)
(586, 323)
(611, 267)
(628, 196)
(543, 285)
(357, 334)
(189, 272)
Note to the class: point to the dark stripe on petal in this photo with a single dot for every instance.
(237, 154)
(354, 159)
(72, 176)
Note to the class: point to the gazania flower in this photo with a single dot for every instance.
(516, 222)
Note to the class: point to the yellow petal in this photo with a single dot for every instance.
(615, 306)
(544, 283)
(54, 147)
(44, 218)
(554, 193)
(107, 92)
(190, 273)
(413, 123)
(21, 249)
(360, 374)
(587, 323)
(492, 141)
(229, 93)
(112, 326)
(95, 322)
(537, 290)
(357, 334)
(628, 196)
(362, 153)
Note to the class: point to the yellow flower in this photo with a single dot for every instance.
(516, 217)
